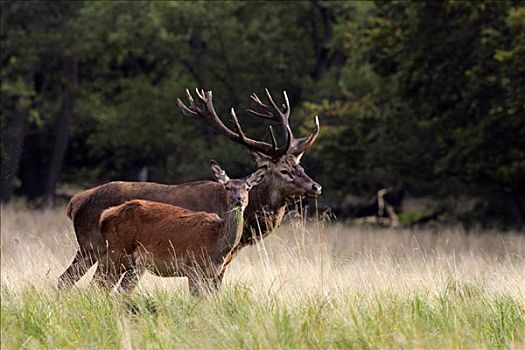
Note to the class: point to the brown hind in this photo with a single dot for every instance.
(171, 241)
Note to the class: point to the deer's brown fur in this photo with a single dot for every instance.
(166, 240)
(77, 201)
(172, 241)
(86, 207)
(285, 180)
(141, 227)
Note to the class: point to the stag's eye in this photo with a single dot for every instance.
(286, 173)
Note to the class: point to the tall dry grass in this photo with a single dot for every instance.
(310, 284)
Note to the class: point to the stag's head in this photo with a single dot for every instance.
(237, 190)
(284, 173)
(288, 176)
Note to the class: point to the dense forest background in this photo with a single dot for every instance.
(427, 98)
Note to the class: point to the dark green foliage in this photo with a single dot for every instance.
(425, 96)
(449, 62)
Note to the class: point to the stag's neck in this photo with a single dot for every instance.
(265, 197)
(233, 226)
(264, 213)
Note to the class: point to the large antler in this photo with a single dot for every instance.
(206, 112)
(272, 112)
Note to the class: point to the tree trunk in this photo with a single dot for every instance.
(63, 129)
(326, 56)
(32, 171)
(14, 141)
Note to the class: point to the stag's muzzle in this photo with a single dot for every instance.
(315, 191)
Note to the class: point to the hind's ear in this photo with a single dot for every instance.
(256, 177)
(218, 173)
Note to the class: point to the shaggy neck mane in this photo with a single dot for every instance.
(265, 211)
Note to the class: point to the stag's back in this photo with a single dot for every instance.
(86, 207)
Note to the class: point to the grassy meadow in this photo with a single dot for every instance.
(311, 284)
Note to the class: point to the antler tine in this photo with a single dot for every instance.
(267, 116)
(284, 116)
(286, 105)
(256, 98)
(190, 98)
(274, 141)
(185, 110)
(276, 152)
(271, 111)
(206, 112)
(238, 127)
(266, 108)
(300, 145)
(202, 95)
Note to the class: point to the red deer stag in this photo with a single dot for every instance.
(171, 241)
(284, 181)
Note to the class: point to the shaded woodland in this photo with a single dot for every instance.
(424, 99)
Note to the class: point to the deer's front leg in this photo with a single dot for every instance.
(106, 276)
(203, 283)
(111, 267)
(196, 285)
(131, 278)
(216, 282)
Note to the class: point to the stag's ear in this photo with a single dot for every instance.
(256, 177)
(218, 173)
(262, 160)
(299, 146)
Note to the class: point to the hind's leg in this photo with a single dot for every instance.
(105, 279)
(131, 279)
(200, 284)
(196, 285)
(111, 267)
(216, 282)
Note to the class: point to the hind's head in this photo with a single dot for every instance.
(237, 190)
